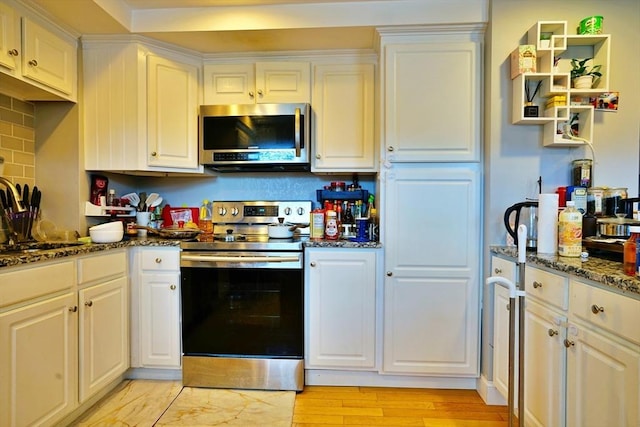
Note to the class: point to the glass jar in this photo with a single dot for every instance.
(613, 205)
(582, 172)
(595, 200)
(629, 257)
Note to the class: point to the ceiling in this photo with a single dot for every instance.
(221, 26)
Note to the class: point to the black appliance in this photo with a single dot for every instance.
(528, 211)
(243, 299)
(259, 137)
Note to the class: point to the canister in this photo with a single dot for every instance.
(591, 25)
(595, 201)
(317, 224)
(613, 200)
(581, 172)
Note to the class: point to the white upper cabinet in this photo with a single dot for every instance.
(344, 125)
(43, 60)
(141, 107)
(257, 83)
(432, 97)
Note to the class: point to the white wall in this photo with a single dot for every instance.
(514, 155)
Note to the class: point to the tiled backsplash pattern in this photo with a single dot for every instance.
(17, 140)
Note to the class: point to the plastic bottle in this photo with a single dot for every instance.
(206, 224)
(112, 200)
(332, 228)
(629, 257)
(570, 231)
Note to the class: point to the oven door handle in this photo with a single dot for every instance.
(239, 259)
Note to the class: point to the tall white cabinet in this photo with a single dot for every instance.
(431, 200)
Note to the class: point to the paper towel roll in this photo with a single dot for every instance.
(548, 224)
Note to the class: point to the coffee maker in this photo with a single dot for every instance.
(528, 211)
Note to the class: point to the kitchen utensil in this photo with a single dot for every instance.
(172, 233)
(134, 199)
(530, 211)
(281, 230)
(156, 202)
(150, 199)
(143, 199)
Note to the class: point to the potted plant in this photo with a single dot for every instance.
(584, 76)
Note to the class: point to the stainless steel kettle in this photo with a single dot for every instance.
(529, 212)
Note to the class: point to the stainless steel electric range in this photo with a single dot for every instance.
(242, 299)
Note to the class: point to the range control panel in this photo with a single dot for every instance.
(261, 211)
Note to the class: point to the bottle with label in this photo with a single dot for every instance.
(205, 217)
(112, 200)
(332, 228)
(317, 223)
(570, 231)
(630, 249)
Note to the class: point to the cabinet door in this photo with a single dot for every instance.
(432, 101)
(340, 309)
(229, 84)
(172, 134)
(602, 381)
(432, 238)
(544, 366)
(38, 362)
(104, 335)
(343, 104)
(503, 268)
(9, 38)
(283, 82)
(160, 320)
(47, 58)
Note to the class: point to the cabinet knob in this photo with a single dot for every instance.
(568, 343)
(318, 156)
(390, 148)
(33, 63)
(508, 307)
(312, 264)
(172, 287)
(552, 332)
(537, 285)
(389, 274)
(497, 270)
(595, 309)
(153, 154)
(158, 260)
(88, 303)
(251, 93)
(260, 92)
(13, 52)
(73, 309)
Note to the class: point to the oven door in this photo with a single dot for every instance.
(247, 305)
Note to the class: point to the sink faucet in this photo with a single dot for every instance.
(16, 205)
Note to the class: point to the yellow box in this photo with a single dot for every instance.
(523, 60)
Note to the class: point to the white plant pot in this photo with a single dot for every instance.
(583, 82)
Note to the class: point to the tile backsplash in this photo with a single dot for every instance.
(17, 140)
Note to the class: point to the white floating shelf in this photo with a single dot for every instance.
(94, 210)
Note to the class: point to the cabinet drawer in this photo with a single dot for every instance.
(549, 287)
(607, 310)
(160, 259)
(32, 282)
(97, 267)
(503, 268)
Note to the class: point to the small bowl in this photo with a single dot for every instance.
(106, 236)
(113, 226)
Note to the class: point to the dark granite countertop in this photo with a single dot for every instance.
(340, 244)
(606, 272)
(11, 259)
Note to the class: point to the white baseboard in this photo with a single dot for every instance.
(153, 374)
(488, 392)
(373, 379)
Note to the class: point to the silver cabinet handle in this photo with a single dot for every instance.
(251, 93)
(153, 154)
(13, 52)
(33, 63)
(389, 274)
(260, 92)
(537, 285)
(88, 303)
(158, 260)
(497, 270)
(172, 287)
(508, 307)
(390, 148)
(318, 156)
(595, 309)
(552, 332)
(312, 264)
(73, 309)
(568, 343)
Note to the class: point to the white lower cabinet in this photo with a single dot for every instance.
(63, 335)
(340, 308)
(156, 330)
(582, 360)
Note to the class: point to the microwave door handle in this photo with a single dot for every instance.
(297, 133)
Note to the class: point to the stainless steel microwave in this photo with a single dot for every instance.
(260, 137)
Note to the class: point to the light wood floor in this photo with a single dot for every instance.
(320, 406)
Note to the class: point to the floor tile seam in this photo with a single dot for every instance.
(168, 406)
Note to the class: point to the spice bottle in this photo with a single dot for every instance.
(570, 231)
(332, 229)
(629, 257)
